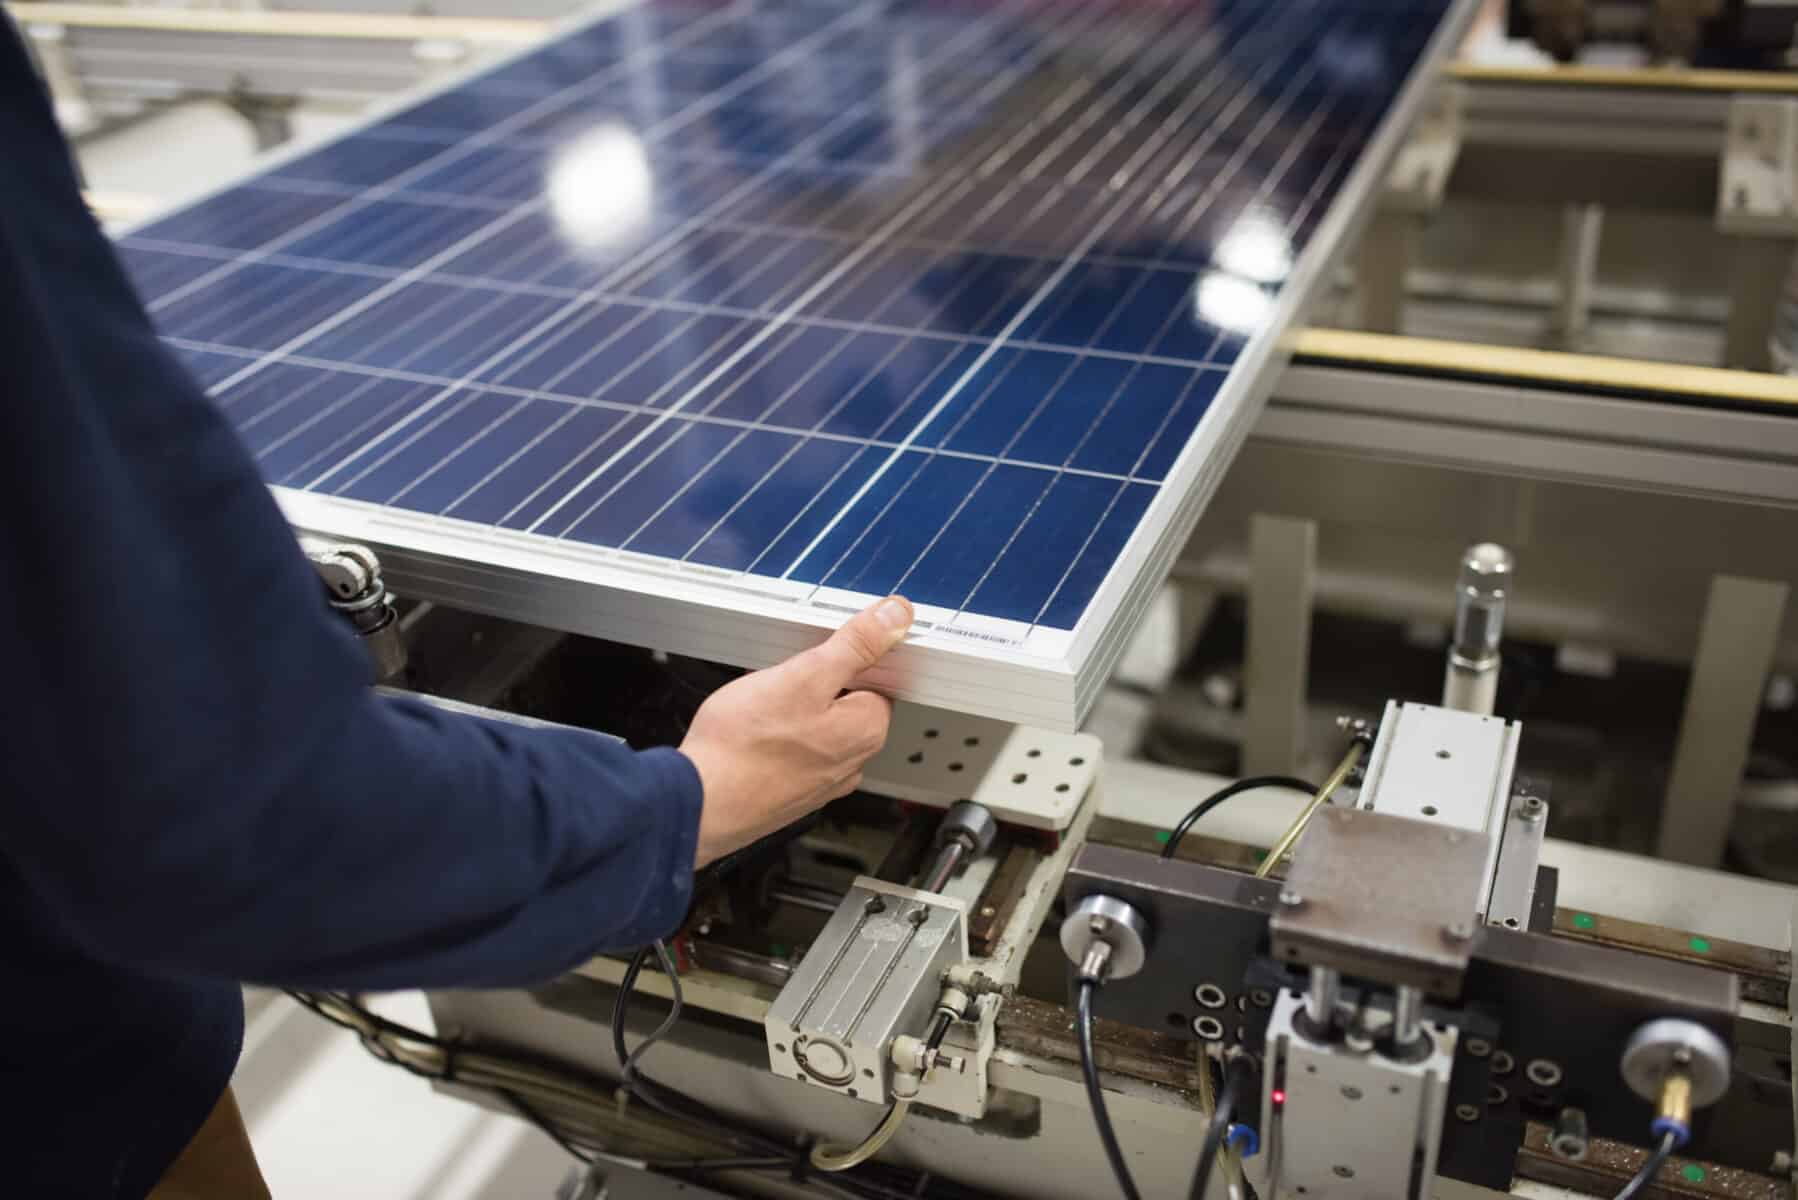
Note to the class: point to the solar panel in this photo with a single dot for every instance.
(703, 325)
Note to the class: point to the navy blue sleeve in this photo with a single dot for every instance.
(199, 778)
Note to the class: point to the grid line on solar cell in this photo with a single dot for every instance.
(899, 320)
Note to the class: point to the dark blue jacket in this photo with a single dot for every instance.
(199, 785)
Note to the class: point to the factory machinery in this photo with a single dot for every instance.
(1008, 968)
(1304, 912)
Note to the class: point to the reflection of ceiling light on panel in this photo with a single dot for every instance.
(1232, 303)
(1256, 247)
(600, 189)
(657, 334)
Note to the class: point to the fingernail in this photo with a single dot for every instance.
(895, 613)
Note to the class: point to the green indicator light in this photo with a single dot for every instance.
(779, 949)
(1694, 1173)
(1700, 945)
(1260, 857)
(1583, 921)
(1162, 835)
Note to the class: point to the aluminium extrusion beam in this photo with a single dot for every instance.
(1582, 431)
(121, 57)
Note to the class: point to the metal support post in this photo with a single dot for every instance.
(1320, 1000)
(1757, 207)
(1582, 228)
(1282, 570)
(1387, 250)
(1757, 276)
(1736, 643)
(1414, 189)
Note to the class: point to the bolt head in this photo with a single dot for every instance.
(1291, 899)
(1099, 926)
(1458, 931)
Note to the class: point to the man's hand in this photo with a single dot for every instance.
(774, 745)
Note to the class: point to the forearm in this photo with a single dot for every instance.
(409, 848)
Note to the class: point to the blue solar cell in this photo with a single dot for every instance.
(159, 272)
(463, 111)
(899, 390)
(775, 504)
(903, 525)
(304, 446)
(663, 376)
(393, 232)
(595, 486)
(435, 329)
(382, 469)
(1067, 417)
(467, 465)
(549, 362)
(1070, 595)
(256, 404)
(1145, 400)
(636, 492)
(983, 520)
(1156, 304)
(259, 305)
(989, 422)
(864, 297)
(821, 516)
(511, 480)
(209, 367)
(687, 514)
(1171, 437)
(795, 366)
(584, 460)
(245, 218)
(1043, 546)
(488, 172)
(365, 161)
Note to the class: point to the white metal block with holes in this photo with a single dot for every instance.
(1419, 176)
(1757, 185)
(1362, 1126)
(1446, 767)
(1024, 776)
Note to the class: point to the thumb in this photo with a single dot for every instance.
(858, 645)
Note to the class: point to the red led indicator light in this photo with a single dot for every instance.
(1279, 1097)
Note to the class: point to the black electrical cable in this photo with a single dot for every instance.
(665, 1100)
(1218, 797)
(1649, 1170)
(697, 1166)
(678, 1106)
(873, 1181)
(1089, 1068)
(1235, 1079)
